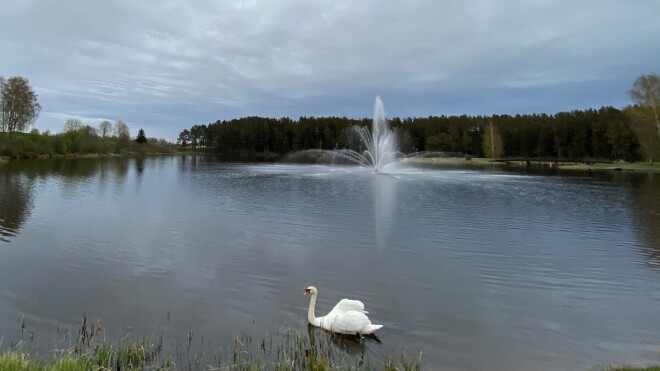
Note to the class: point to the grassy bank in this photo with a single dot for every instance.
(618, 166)
(564, 165)
(143, 356)
(298, 353)
(310, 349)
(455, 161)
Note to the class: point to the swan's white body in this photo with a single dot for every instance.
(347, 317)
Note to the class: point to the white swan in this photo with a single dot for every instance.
(347, 317)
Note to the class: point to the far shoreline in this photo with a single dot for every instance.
(482, 163)
(462, 162)
(7, 159)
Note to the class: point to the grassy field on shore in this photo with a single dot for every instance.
(454, 161)
(562, 165)
(640, 166)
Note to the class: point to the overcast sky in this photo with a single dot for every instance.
(168, 64)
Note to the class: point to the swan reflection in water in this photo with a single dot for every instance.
(341, 344)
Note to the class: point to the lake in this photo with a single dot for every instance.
(476, 269)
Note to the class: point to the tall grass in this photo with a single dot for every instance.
(312, 349)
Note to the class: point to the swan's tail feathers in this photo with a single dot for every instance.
(371, 328)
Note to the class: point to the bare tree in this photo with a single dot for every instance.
(72, 124)
(121, 130)
(105, 127)
(492, 142)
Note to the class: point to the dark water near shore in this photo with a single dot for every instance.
(477, 269)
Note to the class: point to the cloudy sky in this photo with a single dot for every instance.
(168, 64)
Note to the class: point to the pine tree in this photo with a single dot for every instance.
(141, 138)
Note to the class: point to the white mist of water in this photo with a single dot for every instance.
(381, 142)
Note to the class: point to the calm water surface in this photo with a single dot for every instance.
(478, 270)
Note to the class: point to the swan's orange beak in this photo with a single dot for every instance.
(306, 292)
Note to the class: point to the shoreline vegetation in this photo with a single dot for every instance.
(306, 349)
(82, 142)
(310, 349)
(535, 163)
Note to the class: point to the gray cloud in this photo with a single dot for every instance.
(166, 65)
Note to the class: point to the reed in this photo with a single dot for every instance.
(312, 349)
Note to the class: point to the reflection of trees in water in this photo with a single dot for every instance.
(120, 171)
(646, 212)
(15, 203)
(18, 177)
(644, 208)
(139, 165)
(189, 164)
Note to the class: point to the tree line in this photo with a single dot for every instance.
(607, 133)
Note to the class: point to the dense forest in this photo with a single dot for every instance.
(604, 134)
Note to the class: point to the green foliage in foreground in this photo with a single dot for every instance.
(293, 351)
(313, 349)
(141, 356)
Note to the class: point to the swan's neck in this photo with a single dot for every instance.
(310, 313)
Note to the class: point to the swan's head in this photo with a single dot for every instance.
(311, 290)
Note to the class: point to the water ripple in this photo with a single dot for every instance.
(473, 268)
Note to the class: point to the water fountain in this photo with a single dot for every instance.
(381, 143)
(377, 148)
